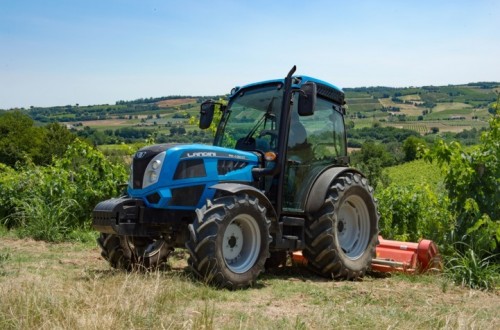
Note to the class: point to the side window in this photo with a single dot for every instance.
(314, 142)
(325, 132)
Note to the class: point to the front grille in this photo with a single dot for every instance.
(140, 165)
(226, 166)
(186, 196)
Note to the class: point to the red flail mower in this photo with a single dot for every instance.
(396, 256)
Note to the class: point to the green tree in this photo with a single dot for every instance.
(19, 138)
(55, 142)
(411, 146)
(371, 160)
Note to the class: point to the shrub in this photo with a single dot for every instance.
(8, 179)
(472, 181)
(91, 177)
(413, 212)
(50, 202)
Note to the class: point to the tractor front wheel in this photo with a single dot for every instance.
(133, 253)
(341, 238)
(229, 241)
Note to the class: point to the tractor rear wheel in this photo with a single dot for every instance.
(341, 238)
(133, 253)
(229, 241)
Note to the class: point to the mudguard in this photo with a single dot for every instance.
(235, 188)
(319, 188)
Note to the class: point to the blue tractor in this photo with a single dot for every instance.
(275, 181)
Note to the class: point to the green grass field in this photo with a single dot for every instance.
(415, 173)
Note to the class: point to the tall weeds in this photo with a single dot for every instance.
(51, 221)
(467, 268)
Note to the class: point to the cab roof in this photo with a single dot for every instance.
(325, 89)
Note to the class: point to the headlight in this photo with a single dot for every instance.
(156, 164)
(153, 170)
(153, 177)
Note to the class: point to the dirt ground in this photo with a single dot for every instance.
(174, 102)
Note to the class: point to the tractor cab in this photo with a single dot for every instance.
(298, 130)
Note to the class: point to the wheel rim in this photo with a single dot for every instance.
(153, 248)
(241, 243)
(353, 227)
(145, 248)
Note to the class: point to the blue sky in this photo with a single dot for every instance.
(100, 51)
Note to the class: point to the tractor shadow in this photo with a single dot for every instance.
(178, 268)
(293, 271)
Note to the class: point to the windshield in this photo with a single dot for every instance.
(252, 119)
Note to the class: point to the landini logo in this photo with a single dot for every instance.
(201, 154)
(140, 154)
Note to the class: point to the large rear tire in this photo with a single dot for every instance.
(341, 238)
(229, 241)
(133, 253)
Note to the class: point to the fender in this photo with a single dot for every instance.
(320, 187)
(235, 188)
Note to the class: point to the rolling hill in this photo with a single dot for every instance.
(427, 109)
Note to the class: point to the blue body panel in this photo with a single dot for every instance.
(210, 156)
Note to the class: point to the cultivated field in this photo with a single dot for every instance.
(424, 127)
(54, 286)
(407, 109)
(175, 102)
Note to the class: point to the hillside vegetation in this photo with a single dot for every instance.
(450, 108)
(425, 110)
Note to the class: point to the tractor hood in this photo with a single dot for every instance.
(182, 173)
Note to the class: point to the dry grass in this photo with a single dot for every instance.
(48, 286)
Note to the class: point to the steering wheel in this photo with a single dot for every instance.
(273, 137)
(270, 132)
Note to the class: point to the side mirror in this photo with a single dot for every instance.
(207, 109)
(307, 99)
